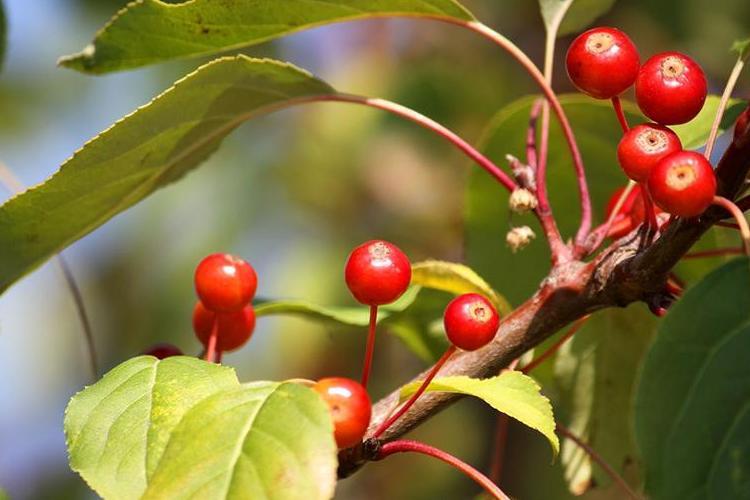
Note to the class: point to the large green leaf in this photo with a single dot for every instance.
(570, 16)
(182, 428)
(151, 31)
(152, 147)
(595, 372)
(693, 399)
(513, 393)
(694, 133)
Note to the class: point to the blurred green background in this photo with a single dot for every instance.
(292, 193)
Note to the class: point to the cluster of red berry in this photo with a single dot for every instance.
(670, 89)
(377, 273)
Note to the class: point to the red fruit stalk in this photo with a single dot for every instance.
(377, 273)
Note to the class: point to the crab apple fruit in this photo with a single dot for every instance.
(225, 283)
(377, 273)
(671, 88)
(470, 321)
(350, 408)
(740, 126)
(162, 351)
(683, 184)
(602, 62)
(642, 147)
(234, 328)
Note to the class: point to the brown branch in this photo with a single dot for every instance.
(621, 274)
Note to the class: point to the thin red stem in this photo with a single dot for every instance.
(211, 347)
(556, 346)
(405, 445)
(601, 232)
(718, 252)
(648, 203)
(599, 460)
(425, 383)
(739, 217)
(429, 124)
(551, 97)
(729, 225)
(617, 105)
(370, 349)
(560, 252)
(498, 458)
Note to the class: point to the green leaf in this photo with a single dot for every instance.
(513, 393)
(742, 47)
(694, 134)
(354, 316)
(150, 31)
(182, 428)
(572, 15)
(487, 217)
(693, 399)
(145, 151)
(595, 372)
(456, 279)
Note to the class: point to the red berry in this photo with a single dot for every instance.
(225, 283)
(742, 122)
(161, 351)
(683, 184)
(602, 62)
(470, 321)
(350, 408)
(671, 88)
(642, 147)
(235, 328)
(377, 272)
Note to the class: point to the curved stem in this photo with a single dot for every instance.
(425, 383)
(599, 460)
(404, 445)
(14, 185)
(717, 252)
(429, 124)
(617, 105)
(211, 347)
(729, 206)
(370, 349)
(731, 82)
(549, 94)
(556, 346)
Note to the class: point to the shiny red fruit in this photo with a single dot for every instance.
(377, 272)
(741, 124)
(642, 147)
(162, 351)
(225, 283)
(683, 184)
(602, 62)
(235, 328)
(470, 321)
(350, 408)
(671, 88)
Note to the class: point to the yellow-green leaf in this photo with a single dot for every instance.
(457, 279)
(513, 393)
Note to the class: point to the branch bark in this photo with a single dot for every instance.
(623, 273)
